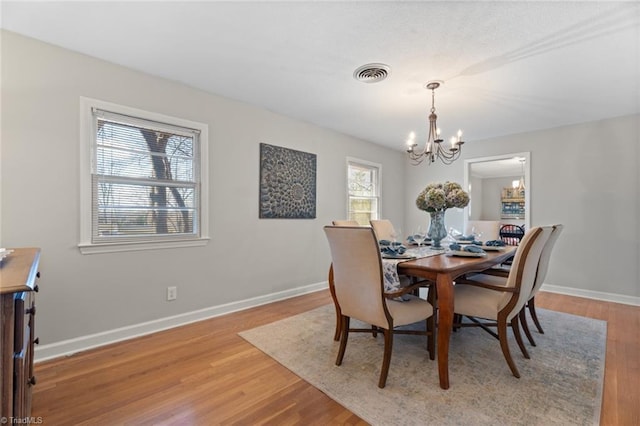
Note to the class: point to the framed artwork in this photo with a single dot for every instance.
(287, 183)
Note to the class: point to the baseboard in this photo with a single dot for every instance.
(590, 294)
(78, 344)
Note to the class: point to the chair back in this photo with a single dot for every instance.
(545, 257)
(345, 223)
(490, 229)
(523, 270)
(357, 274)
(383, 229)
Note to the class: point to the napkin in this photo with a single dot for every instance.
(495, 243)
(470, 248)
(387, 243)
(473, 249)
(393, 250)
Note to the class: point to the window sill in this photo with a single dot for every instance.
(88, 248)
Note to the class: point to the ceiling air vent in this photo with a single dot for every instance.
(372, 73)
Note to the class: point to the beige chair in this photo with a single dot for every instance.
(384, 230)
(541, 275)
(489, 229)
(359, 288)
(495, 304)
(336, 334)
(345, 223)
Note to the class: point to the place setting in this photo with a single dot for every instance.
(414, 246)
(420, 244)
(471, 245)
(394, 250)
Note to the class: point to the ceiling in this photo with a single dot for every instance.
(507, 67)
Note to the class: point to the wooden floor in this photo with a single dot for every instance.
(205, 374)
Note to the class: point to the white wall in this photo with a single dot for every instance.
(247, 257)
(476, 205)
(584, 176)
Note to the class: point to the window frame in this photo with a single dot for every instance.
(369, 165)
(87, 163)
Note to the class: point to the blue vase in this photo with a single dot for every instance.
(437, 230)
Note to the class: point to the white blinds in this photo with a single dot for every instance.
(144, 179)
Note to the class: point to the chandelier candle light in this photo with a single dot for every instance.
(434, 148)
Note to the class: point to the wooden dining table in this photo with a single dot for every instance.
(443, 270)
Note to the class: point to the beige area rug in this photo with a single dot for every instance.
(560, 385)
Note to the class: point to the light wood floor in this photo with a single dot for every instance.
(205, 374)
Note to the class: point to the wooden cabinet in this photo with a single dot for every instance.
(18, 285)
(512, 204)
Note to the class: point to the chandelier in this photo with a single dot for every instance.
(434, 148)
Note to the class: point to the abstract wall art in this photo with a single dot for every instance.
(287, 183)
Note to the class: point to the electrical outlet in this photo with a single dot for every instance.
(172, 293)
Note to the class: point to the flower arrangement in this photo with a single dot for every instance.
(441, 196)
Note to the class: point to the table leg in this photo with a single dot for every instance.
(444, 284)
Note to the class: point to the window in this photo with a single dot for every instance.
(363, 191)
(144, 179)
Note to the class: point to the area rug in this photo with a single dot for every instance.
(560, 385)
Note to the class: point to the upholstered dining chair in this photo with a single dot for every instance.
(359, 287)
(345, 223)
(491, 304)
(541, 275)
(489, 229)
(384, 229)
(336, 334)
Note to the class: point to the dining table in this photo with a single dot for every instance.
(443, 269)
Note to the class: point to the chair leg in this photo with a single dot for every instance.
(523, 320)
(532, 310)
(332, 290)
(457, 319)
(504, 344)
(431, 337)
(386, 361)
(432, 297)
(343, 340)
(516, 332)
(336, 334)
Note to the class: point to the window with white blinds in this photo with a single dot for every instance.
(146, 178)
